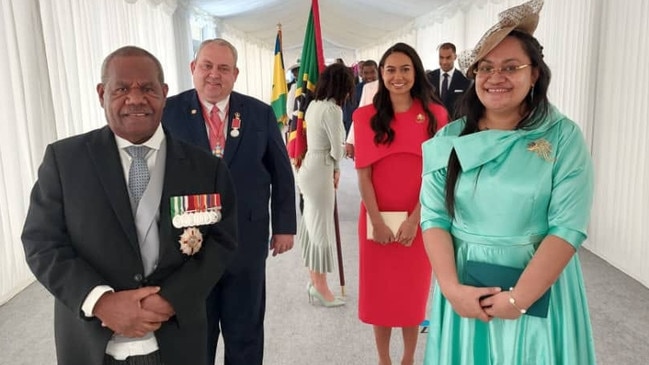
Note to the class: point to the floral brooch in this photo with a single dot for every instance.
(542, 148)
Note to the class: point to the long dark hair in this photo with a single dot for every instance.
(536, 103)
(421, 89)
(336, 82)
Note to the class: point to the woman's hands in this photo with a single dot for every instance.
(382, 233)
(466, 301)
(498, 306)
(407, 231)
(336, 178)
(405, 235)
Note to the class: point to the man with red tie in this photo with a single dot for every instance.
(243, 131)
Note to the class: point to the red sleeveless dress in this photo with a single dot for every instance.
(394, 279)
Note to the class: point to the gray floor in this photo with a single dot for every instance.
(300, 333)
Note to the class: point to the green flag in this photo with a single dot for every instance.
(311, 64)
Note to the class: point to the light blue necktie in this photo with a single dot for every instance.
(138, 173)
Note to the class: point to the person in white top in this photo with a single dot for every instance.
(369, 90)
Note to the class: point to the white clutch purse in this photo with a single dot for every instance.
(392, 219)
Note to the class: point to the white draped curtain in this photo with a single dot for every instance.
(53, 52)
(255, 63)
(80, 33)
(620, 139)
(25, 100)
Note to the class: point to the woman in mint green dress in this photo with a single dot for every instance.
(507, 187)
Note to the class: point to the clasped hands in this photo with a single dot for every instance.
(133, 313)
(405, 235)
(481, 303)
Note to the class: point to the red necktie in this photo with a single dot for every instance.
(216, 136)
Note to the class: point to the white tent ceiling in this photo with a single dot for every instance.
(349, 24)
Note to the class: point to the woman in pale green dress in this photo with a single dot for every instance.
(317, 178)
(507, 187)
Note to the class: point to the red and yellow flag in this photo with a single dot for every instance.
(311, 64)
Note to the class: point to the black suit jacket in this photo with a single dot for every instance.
(459, 85)
(80, 233)
(257, 159)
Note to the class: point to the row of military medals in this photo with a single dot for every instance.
(236, 125)
(195, 210)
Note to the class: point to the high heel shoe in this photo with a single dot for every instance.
(314, 294)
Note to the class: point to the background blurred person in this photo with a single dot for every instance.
(449, 83)
(325, 136)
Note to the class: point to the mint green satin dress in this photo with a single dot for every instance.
(515, 188)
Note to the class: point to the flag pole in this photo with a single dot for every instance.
(339, 249)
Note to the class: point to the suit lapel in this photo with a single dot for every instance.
(435, 81)
(196, 125)
(232, 143)
(455, 80)
(102, 150)
(175, 180)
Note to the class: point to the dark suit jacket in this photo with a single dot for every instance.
(257, 159)
(80, 233)
(358, 91)
(459, 85)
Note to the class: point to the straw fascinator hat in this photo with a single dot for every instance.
(524, 18)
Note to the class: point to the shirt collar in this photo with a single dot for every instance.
(450, 72)
(153, 143)
(222, 104)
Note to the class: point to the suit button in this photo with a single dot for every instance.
(138, 277)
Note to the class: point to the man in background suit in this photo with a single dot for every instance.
(99, 233)
(449, 83)
(369, 74)
(245, 131)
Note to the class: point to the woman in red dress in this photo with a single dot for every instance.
(394, 270)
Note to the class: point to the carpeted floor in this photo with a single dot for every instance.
(299, 333)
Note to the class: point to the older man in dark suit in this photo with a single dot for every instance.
(449, 83)
(109, 233)
(242, 130)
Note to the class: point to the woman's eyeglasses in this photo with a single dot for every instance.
(505, 70)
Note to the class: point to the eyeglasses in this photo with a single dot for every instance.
(506, 70)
